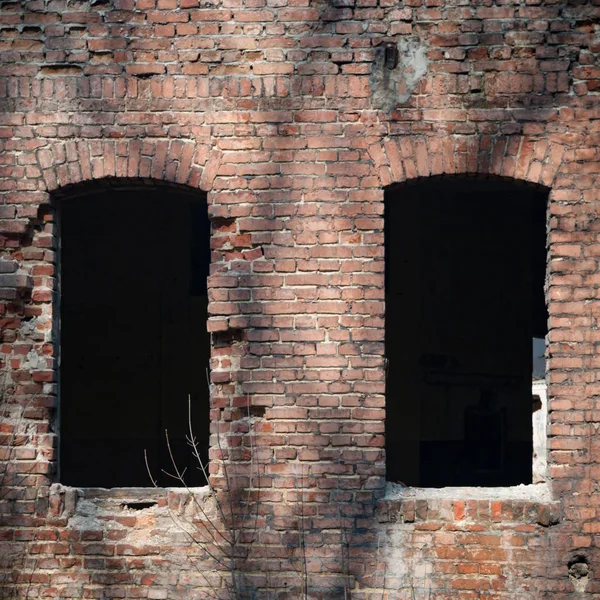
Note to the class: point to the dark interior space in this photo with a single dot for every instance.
(465, 317)
(133, 339)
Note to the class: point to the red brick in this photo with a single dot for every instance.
(272, 111)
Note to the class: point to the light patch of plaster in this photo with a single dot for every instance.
(412, 568)
(395, 86)
(33, 361)
(579, 573)
(175, 522)
(539, 492)
(89, 516)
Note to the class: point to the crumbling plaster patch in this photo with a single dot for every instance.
(154, 524)
(395, 86)
(530, 492)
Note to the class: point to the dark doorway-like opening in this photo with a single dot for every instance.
(133, 339)
(466, 321)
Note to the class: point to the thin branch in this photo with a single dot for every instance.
(154, 483)
(180, 477)
(302, 540)
(196, 453)
(233, 532)
(178, 523)
(251, 480)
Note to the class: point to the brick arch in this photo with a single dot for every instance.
(174, 161)
(65, 163)
(515, 157)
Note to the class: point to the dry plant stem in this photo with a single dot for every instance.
(383, 583)
(214, 590)
(344, 548)
(345, 560)
(179, 476)
(201, 544)
(214, 542)
(251, 478)
(230, 498)
(210, 528)
(302, 540)
(193, 443)
(291, 551)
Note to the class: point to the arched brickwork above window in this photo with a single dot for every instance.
(402, 158)
(61, 164)
(175, 161)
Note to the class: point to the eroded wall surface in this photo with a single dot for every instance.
(289, 116)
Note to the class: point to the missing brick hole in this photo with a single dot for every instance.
(578, 566)
(101, 58)
(223, 225)
(222, 339)
(586, 25)
(578, 571)
(60, 70)
(138, 505)
(46, 213)
(258, 411)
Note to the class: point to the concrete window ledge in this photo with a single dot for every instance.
(65, 500)
(530, 504)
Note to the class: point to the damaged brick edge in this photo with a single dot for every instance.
(13, 281)
(521, 504)
(63, 500)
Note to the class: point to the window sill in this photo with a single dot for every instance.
(135, 493)
(530, 504)
(64, 499)
(533, 492)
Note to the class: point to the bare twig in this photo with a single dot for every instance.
(384, 575)
(302, 540)
(192, 538)
(220, 545)
(234, 534)
(180, 477)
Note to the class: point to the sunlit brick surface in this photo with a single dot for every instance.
(284, 113)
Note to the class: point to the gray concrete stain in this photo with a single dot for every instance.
(395, 86)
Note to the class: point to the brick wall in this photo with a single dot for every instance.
(282, 111)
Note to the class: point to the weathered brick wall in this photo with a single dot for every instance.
(284, 112)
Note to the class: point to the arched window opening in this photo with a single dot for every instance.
(466, 321)
(133, 338)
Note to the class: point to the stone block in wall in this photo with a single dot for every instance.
(8, 266)
(13, 226)
(19, 281)
(12, 283)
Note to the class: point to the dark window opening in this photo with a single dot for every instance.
(466, 321)
(133, 339)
